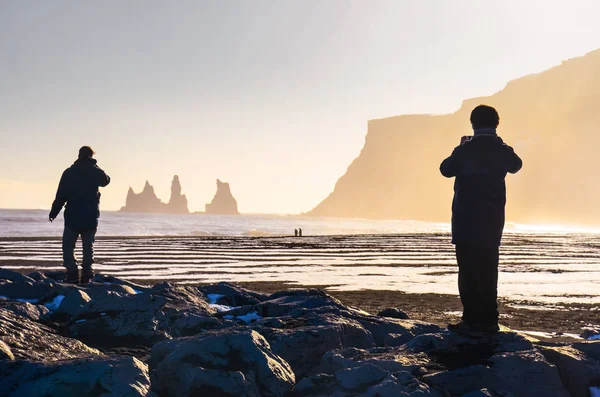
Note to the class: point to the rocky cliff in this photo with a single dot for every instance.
(552, 121)
(146, 201)
(223, 203)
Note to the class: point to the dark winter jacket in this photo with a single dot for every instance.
(480, 166)
(78, 188)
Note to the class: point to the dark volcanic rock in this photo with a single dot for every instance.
(285, 302)
(104, 279)
(113, 302)
(123, 320)
(577, 370)
(182, 297)
(73, 302)
(504, 363)
(358, 377)
(387, 359)
(5, 352)
(112, 319)
(379, 327)
(478, 393)
(402, 384)
(31, 292)
(26, 309)
(235, 363)
(116, 376)
(231, 295)
(591, 349)
(524, 373)
(29, 340)
(258, 347)
(15, 277)
(303, 347)
(393, 313)
(364, 381)
(128, 328)
(189, 324)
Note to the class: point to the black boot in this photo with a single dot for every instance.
(87, 276)
(72, 277)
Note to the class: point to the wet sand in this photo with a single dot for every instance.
(552, 280)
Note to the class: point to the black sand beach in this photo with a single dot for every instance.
(419, 269)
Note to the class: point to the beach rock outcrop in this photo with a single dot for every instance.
(5, 352)
(304, 343)
(231, 295)
(223, 203)
(393, 313)
(30, 340)
(101, 376)
(236, 363)
(143, 319)
(578, 369)
(222, 339)
(147, 201)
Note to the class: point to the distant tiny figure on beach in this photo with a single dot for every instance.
(299, 232)
(295, 232)
(78, 189)
(480, 164)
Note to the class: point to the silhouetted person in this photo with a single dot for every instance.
(480, 164)
(78, 188)
(299, 232)
(295, 232)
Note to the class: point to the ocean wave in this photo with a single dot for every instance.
(260, 233)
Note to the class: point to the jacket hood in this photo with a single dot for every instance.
(85, 160)
(486, 139)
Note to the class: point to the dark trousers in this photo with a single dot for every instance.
(68, 246)
(478, 283)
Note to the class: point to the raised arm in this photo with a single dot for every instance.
(103, 178)
(514, 162)
(449, 167)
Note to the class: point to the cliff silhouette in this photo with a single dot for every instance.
(146, 201)
(223, 203)
(552, 119)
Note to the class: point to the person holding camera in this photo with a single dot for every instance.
(479, 164)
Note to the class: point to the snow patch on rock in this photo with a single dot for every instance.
(55, 302)
(247, 318)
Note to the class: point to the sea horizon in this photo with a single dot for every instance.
(34, 223)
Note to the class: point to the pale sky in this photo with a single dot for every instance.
(272, 96)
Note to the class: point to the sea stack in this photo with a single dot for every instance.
(178, 203)
(223, 203)
(146, 201)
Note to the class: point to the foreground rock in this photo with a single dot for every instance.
(238, 363)
(29, 340)
(223, 340)
(578, 365)
(116, 376)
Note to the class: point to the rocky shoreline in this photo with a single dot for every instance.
(115, 338)
(560, 322)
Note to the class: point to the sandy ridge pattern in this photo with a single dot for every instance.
(534, 267)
